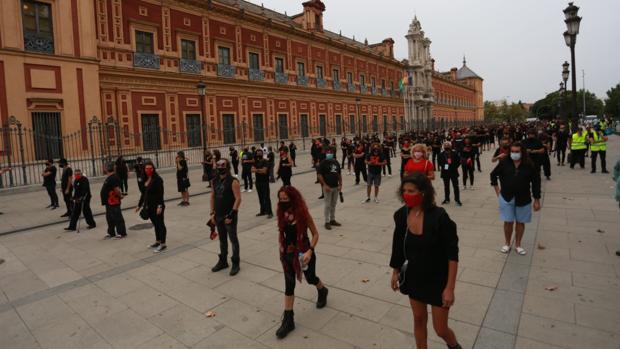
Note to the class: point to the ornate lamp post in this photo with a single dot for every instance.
(202, 90)
(572, 21)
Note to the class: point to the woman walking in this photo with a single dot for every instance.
(152, 202)
(425, 244)
(296, 252)
(182, 178)
(285, 167)
(468, 155)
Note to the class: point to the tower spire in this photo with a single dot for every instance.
(464, 60)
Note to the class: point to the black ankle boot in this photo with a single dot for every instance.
(221, 264)
(321, 301)
(288, 324)
(457, 346)
(235, 267)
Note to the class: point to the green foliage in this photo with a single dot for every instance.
(612, 102)
(504, 112)
(557, 103)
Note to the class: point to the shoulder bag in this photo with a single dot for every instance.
(144, 211)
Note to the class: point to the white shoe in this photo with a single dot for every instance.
(243, 191)
(249, 190)
(505, 249)
(365, 200)
(376, 201)
(348, 173)
(389, 175)
(521, 251)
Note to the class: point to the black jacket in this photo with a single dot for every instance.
(153, 194)
(453, 166)
(81, 189)
(516, 184)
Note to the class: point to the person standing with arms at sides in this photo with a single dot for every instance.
(285, 167)
(247, 160)
(139, 170)
(419, 162)
(261, 169)
(234, 159)
(296, 252)
(111, 196)
(49, 182)
(578, 148)
(616, 177)
(516, 176)
(426, 239)
(467, 163)
(271, 160)
(359, 156)
(81, 202)
(123, 174)
(183, 183)
(405, 156)
(292, 148)
(207, 167)
(435, 149)
(502, 151)
(330, 178)
(152, 200)
(386, 148)
(375, 161)
(225, 202)
(449, 163)
(598, 147)
(535, 149)
(66, 185)
(561, 142)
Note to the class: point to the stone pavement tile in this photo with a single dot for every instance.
(158, 278)
(249, 292)
(119, 285)
(600, 299)
(478, 277)
(596, 282)
(197, 296)
(366, 334)
(564, 334)
(471, 303)
(593, 254)
(199, 256)
(22, 284)
(147, 301)
(44, 312)
(306, 313)
(362, 278)
(602, 319)
(92, 303)
(14, 333)
(71, 332)
(184, 324)
(551, 275)
(162, 342)
(575, 266)
(526, 343)
(504, 311)
(488, 338)
(514, 277)
(226, 338)
(332, 269)
(59, 276)
(552, 308)
(253, 273)
(399, 317)
(12, 265)
(243, 318)
(303, 338)
(126, 329)
(176, 264)
(204, 276)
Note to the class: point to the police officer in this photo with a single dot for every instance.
(598, 146)
(81, 202)
(578, 148)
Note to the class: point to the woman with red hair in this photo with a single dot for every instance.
(296, 252)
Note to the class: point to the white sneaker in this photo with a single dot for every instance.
(249, 190)
(376, 201)
(348, 173)
(243, 191)
(389, 175)
(365, 200)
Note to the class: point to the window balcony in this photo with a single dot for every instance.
(256, 75)
(190, 66)
(336, 85)
(225, 70)
(145, 60)
(302, 80)
(34, 42)
(363, 89)
(350, 88)
(281, 78)
(383, 92)
(373, 91)
(320, 83)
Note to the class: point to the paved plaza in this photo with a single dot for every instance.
(68, 290)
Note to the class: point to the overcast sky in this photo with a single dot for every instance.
(515, 45)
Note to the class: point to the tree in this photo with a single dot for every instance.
(612, 102)
(504, 112)
(556, 103)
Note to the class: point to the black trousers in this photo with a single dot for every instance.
(225, 232)
(159, 225)
(68, 202)
(560, 153)
(264, 198)
(78, 208)
(293, 157)
(546, 165)
(360, 169)
(578, 156)
(603, 155)
(289, 273)
(477, 156)
(468, 172)
(51, 192)
(403, 162)
(455, 186)
(286, 180)
(246, 174)
(235, 166)
(388, 165)
(124, 184)
(115, 220)
(435, 156)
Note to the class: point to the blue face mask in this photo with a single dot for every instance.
(329, 156)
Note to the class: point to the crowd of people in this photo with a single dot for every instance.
(424, 258)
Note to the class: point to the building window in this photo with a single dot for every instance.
(362, 80)
(254, 61)
(350, 78)
(188, 49)
(144, 42)
(373, 83)
(301, 69)
(280, 65)
(383, 84)
(336, 75)
(319, 72)
(223, 55)
(38, 32)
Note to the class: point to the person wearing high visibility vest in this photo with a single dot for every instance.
(598, 147)
(578, 148)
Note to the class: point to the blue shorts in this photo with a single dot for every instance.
(509, 212)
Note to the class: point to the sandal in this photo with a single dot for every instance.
(521, 251)
(505, 249)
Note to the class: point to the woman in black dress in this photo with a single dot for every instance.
(122, 171)
(285, 169)
(426, 237)
(182, 178)
(207, 167)
(152, 200)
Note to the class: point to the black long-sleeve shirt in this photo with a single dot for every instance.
(153, 195)
(81, 189)
(453, 160)
(520, 183)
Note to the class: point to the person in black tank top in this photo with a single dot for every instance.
(285, 168)
(225, 202)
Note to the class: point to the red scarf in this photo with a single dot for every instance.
(301, 246)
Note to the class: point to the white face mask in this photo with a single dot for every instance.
(418, 154)
(515, 156)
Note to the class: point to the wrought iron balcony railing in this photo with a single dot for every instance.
(225, 70)
(363, 89)
(145, 60)
(350, 88)
(321, 83)
(302, 80)
(281, 78)
(191, 66)
(34, 42)
(336, 85)
(256, 75)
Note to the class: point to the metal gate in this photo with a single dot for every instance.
(229, 128)
(150, 131)
(47, 135)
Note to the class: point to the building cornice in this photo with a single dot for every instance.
(26, 54)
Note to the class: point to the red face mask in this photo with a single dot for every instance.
(77, 177)
(413, 200)
(148, 171)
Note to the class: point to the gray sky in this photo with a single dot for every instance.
(515, 45)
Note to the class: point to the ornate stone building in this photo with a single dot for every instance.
(419, 101)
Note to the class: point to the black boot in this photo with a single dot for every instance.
(288, 324)
(457, 346)
(321, 301)
(235, 266)
(221, 264)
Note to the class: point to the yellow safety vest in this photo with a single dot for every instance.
(578, 142)
(599, 143)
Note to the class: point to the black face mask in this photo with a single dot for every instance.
(284, 205)
(222, 171)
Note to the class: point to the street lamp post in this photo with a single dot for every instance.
(202, 90)
(565, 74)
(572, 21)
(358, 100)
